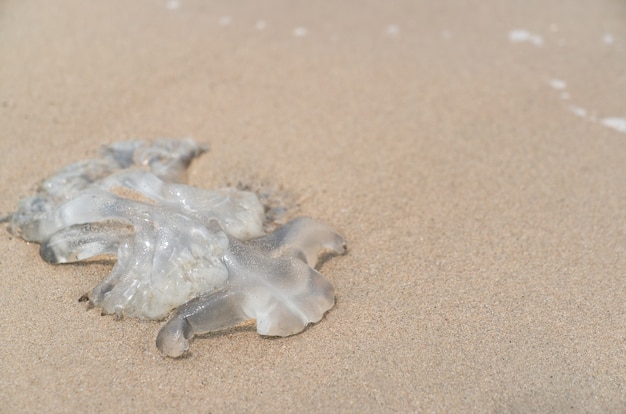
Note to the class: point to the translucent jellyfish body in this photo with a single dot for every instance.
(201, 253)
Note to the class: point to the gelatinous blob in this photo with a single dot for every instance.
(203, 252)
(167, 159)
(270, 279)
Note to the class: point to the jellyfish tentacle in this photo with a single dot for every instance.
(283, 293)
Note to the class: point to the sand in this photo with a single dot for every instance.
(477, 172)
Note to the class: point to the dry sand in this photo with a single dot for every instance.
(486, 219)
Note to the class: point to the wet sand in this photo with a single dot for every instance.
(472, 156)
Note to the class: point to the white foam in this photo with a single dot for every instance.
(618, 124)
(521, 36)
(172, 4)
(260, 25)
(557, 84)
(608, 39)
(225, 20)
(577, 110)
(300, 31)
(393, 30)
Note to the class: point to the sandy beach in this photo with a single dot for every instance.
(473, 154)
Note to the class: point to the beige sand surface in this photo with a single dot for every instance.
(486, 219)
